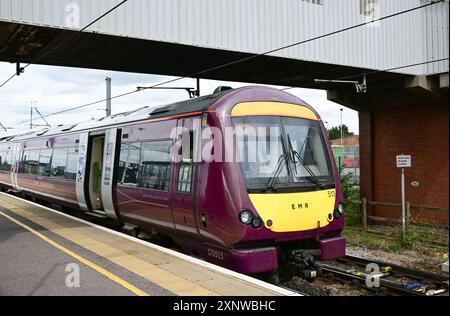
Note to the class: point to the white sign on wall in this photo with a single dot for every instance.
(404, 161)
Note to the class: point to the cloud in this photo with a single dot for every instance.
(58, 88)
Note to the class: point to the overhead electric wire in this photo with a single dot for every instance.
(67, 41)
(372, 72)
(261, 54)
(8, 80)
(79, 106)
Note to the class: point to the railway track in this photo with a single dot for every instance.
(393, 279)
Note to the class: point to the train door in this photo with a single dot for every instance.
(81, 171)
(94, 169)
(15, 164)
(183, 189)
(90, 171)
(112, 139)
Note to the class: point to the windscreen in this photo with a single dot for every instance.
(284, 151)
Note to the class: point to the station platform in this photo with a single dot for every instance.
(45, 252)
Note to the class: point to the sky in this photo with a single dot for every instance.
(58, 88)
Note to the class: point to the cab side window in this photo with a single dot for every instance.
(186, 165)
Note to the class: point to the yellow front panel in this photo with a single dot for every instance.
(292, 212)
(273, 109)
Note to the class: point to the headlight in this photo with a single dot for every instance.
(341, 208)
(246, 217)
(256, 222)
(339, 211)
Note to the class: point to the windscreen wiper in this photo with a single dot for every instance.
(295, 154)
(279, 167)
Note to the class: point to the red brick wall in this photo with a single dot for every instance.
(421, 132)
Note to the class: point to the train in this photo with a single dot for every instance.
(153, 170)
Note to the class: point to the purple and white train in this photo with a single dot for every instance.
(250, 216)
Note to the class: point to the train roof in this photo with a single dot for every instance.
(184, 107)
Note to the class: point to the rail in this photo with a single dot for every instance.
(394, 279)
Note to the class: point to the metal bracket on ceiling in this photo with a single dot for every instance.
(19, 70)
(361, 87)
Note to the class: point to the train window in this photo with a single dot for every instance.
(59, 162)
(30, 162)
(109, 157)
(2, 161)
(185, 178)
(5, 162)
(131, 173)
(155, 165)
(44, 168)
(72, 164)
(186, 167)
(306, 141)
(9, 160)
(122, 162)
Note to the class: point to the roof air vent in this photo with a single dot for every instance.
(222, 89)
(162, 110)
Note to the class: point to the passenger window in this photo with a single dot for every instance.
(5, 159)
(72, 164)
(2, 161)
(132, 166)
(155, 165)
(45, 167)
(30, 162)
(186, 167)
(122, 162)
(59, 163)
(9, 160)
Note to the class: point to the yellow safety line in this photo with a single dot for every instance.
(171, 281)
(84, 261)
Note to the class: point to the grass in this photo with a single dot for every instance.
(415, 239)
(412, 237)
(363, 238)
(393, 241)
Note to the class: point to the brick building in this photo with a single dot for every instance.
(413, 120)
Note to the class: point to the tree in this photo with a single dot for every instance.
(335, 132)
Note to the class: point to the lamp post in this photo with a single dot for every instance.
(108, 97)
(342, 131)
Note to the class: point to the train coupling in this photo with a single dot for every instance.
(305, 263)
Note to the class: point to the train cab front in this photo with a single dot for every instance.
(293, 207)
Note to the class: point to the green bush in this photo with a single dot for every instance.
(351, 195)
(413, 237)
